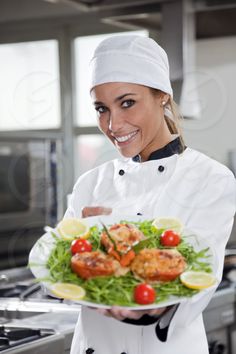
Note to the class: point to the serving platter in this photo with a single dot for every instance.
(42, 249)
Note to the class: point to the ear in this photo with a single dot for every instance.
(164, 97)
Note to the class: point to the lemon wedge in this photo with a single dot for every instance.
(167, 223)
(197, 280)
(68, 291)
(72, 228)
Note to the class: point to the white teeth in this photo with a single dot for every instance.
(122, 139)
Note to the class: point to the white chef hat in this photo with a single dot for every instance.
(133, 59)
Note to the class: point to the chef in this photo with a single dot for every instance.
(157, 175)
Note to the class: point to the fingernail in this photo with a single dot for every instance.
(107, 211)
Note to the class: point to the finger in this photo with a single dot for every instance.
(104, 312)
(94, 211)
(121, 314)
(90, 211)
(157, 312)
(116, 312)
(106, 211)
(136, 315)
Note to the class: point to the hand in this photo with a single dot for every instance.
(95, 210)
(120, 313)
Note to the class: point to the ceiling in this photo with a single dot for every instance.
(21, 10)
(214, 18)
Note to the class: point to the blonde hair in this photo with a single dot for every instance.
(172, 116)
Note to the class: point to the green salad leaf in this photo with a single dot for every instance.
(113, 290)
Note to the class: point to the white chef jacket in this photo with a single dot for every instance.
(191, 186)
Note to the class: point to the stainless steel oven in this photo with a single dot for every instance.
(28, 195)
(218, 318)
(31, 321)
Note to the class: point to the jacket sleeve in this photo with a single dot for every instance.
(81, 195)
(212, 218)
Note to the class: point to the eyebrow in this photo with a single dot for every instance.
(117, 98)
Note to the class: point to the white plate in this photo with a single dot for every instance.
(41, 251)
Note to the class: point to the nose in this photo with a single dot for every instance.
(116, 121)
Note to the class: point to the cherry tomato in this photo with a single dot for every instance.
(144, 294)
(170, 238)
(80, 245)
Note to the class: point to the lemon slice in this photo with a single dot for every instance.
(68, 291)
(197, 280)
(72, 228)
(168, 224)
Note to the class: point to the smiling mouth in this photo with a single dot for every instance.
(125, 138)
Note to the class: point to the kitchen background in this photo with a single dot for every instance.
(48, 133)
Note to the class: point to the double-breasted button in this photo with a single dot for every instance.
(161, 168)
(138, 214)
(123, 353)
(90, 351)
(121, 172)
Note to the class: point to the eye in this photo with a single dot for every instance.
(127, 103)
(101, 109)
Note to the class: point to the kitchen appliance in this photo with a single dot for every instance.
(25, 183)
(28, 196)
(218, 317)
(30, 320)
(11, 337)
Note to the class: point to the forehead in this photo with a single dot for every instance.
(115, 89)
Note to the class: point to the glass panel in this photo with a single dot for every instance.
(84, 48)
(29, 85)
(14, 183)
(92, 151)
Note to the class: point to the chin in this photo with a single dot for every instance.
(128, 154)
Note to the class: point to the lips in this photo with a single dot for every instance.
(125, 138)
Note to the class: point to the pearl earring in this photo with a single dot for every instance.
(163, 103)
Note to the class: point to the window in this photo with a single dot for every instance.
(93, 150)
(29, 85)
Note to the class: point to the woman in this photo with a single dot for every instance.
(157, 176)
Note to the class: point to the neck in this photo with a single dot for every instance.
(162, 139)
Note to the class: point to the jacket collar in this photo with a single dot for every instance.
(173, 147)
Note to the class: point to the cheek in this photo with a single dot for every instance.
(147, 119)
(102, 124)
(152, 124)
(137, 117)
(156, 116)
